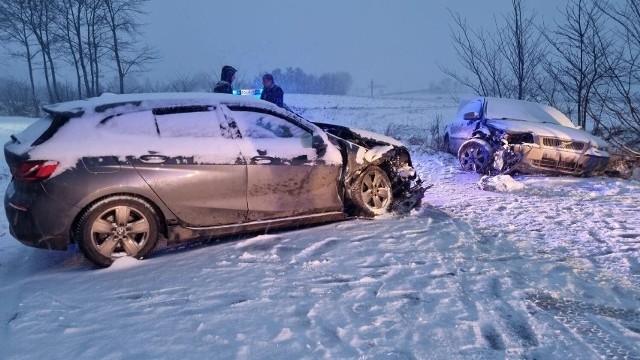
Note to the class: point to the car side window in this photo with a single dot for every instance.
(195, 123)
(140, 123)
(475, 106)
(258, 125)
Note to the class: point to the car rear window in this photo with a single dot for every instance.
(35, 130)
(41, 130)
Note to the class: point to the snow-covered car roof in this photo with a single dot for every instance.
(111, 103)
(511, 109)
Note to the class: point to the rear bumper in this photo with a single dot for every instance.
(36, 219)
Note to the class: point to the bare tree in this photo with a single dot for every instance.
(623, 61)
(577, 62)
(121, 17)
(69, 23)
(14, 30)
(520, 44)
(477, 53)
(96, 34)
(40, 20)
(501, 62)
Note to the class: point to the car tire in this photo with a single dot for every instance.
(475, 155)
(116, 227)
(372, 192)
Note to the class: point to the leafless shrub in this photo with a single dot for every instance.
(16, 98)
(429, 138)
(396, 130)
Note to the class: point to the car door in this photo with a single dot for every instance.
(199, 175)
(286, 174)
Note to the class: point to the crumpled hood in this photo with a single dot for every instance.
(547, 130)
(361, 137)
(366, 134)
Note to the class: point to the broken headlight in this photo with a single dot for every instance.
(522, 138)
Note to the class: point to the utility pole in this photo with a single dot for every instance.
(374, 86)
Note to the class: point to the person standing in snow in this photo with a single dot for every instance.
(227, 77)
(272, 92)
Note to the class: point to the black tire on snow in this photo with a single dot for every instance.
(139, 209)
(368, 192)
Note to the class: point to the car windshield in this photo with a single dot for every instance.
(509, 109)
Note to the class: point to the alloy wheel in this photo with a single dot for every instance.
(120, 231)
(376, 191)
(473, 158)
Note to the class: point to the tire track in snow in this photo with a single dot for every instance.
(589, 321)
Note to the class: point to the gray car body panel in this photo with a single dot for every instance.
(199, 194)
(254, 192)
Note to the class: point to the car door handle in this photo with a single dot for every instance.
(262, 160)
(153, 159)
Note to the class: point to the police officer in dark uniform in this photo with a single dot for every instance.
(272, 92)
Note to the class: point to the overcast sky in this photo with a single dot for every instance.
(397, 43)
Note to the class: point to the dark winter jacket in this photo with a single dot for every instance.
(226, 78)
(274, 94)
(223, 87)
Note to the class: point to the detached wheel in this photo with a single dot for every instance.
(372, 193)
(475, 155)
(117, 227)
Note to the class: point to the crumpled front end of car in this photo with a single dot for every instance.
(362, 149)
(532, 154)
(408, 189)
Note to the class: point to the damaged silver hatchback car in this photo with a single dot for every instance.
(115, 173)
(503, 136)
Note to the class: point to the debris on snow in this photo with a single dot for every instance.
(284, 335)
(500, 183)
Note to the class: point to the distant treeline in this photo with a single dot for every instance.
(297, 81)
(75, 49)
(17, 96)
(99, 40)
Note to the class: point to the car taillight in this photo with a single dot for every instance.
(35, 170)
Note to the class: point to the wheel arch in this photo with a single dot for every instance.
(88, 203)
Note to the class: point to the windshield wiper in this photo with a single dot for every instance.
(15, 139)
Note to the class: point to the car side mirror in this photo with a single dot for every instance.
(472, 116)
(318, 144)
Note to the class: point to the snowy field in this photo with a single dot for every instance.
(541, 268)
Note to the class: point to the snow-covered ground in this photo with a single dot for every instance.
(540, 268)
